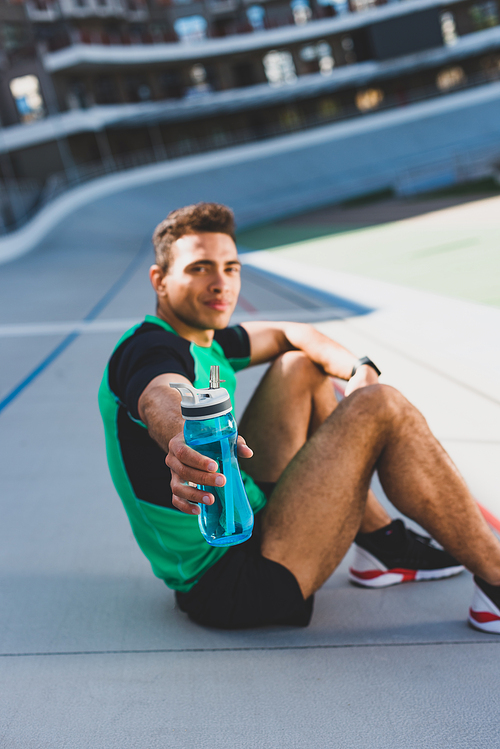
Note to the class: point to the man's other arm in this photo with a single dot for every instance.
(270, 339)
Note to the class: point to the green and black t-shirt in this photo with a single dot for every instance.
(171, 540)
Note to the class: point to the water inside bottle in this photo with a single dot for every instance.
(222, 522)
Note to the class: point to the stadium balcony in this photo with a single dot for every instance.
(88, 54)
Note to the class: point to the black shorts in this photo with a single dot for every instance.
(244, 589)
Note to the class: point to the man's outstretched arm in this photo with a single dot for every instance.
(270, 339)
(159, 407)
(160, 410)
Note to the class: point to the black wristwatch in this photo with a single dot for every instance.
(365, 360)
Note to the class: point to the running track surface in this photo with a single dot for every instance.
(94, 651)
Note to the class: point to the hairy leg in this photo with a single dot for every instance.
(317, 506)
(292, 401)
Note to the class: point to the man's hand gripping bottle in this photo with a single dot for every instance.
(211, 430)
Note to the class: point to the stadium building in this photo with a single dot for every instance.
(91, 87)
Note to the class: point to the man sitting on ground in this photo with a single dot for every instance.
(309, 474)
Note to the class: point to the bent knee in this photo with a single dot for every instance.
(294, 359)
(297, 364)
(382, 400)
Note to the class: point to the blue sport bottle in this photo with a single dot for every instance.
(210, 429)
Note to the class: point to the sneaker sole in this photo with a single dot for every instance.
(370, 573)
(483, 614)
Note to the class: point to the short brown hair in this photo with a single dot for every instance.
(212, 217)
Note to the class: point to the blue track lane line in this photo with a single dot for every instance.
(66, 342)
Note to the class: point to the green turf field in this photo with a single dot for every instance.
(454, 251)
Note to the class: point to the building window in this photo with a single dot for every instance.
(43, 6)
(256, 15)
(13, 36)
(347, 45)
(106, 90)
(301, 11)
(448, 29)
(328, 108)
(171, 85)
(28, 97)
(340, 6)
(491, 66)
(290, 118)
(245, 74)
(484, 15)
(320, 53)
(199, 83)
(450, 78)
(370, 98)
(191, 28)
(361, 5)
(279, 68)
(76, 97)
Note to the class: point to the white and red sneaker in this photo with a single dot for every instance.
(395, 554)
(484, 613)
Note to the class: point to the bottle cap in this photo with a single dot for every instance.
(197, 404)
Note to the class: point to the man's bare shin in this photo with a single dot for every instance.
(374, 517)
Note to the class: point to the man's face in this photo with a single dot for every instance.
(203, 281)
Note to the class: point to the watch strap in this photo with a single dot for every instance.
(368, 362)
